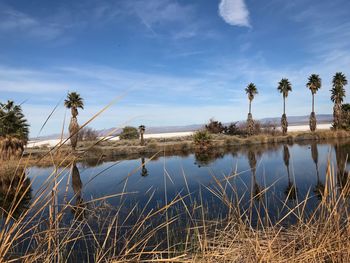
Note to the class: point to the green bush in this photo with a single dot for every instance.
(129, 133)
(202, 139)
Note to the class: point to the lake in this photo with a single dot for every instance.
(273, 169)
(258, 183)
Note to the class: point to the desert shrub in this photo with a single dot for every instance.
(214, 127)
(129, 133)
(243, 128)
(202, 139)
(87, 134)
(232, 129)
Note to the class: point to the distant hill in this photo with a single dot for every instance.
(300, 120)
(292, 120)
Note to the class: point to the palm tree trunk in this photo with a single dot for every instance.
(284, 123)
(250, 106)
(73, 131)
(142, 140)
(312, 120)
(337, 115)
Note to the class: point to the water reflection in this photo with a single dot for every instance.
(256, 191)
(144, 171)
(319, 188)
(343, 175)
(78, 208)
(342, 158)
(205, 158)
(15, 193)
(291, 189)
(270, 162)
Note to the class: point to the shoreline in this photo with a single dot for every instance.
(130, 149)
(167, 135)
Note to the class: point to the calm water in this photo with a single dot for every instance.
(262, 178)
(284, 170)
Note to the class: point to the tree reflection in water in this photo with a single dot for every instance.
(78, 208)
(342, 152)
(144, 171)
(204, 158)
(319, 188)
(291, 189)
(15, 192)
(256, 191)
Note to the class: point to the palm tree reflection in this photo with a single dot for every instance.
(15, 193)
(319, 188)
(79, 207)
(342, 155)
(144, 171)
(291, 190)
(256, 189)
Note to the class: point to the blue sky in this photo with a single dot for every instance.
(175, 62)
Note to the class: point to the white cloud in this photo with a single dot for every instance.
(234, 12)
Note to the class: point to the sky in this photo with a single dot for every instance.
(168, 62)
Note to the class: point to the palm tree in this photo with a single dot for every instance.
(284, 87)
(73, 102)
(14, 130)
(314, 84)
(337, 97)
(251, 91)
(291, 190)
(142, 129)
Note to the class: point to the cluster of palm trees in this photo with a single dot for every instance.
(314, 84)
(14, 130)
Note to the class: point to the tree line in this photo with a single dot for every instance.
(14, 128)
(314, 83)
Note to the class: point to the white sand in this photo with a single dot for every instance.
(325, 126)
(53, 142)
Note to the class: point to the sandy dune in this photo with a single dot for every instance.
(53, 142)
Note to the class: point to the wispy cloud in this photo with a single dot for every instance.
(14, 21)
(234, 12)
(167, 17)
